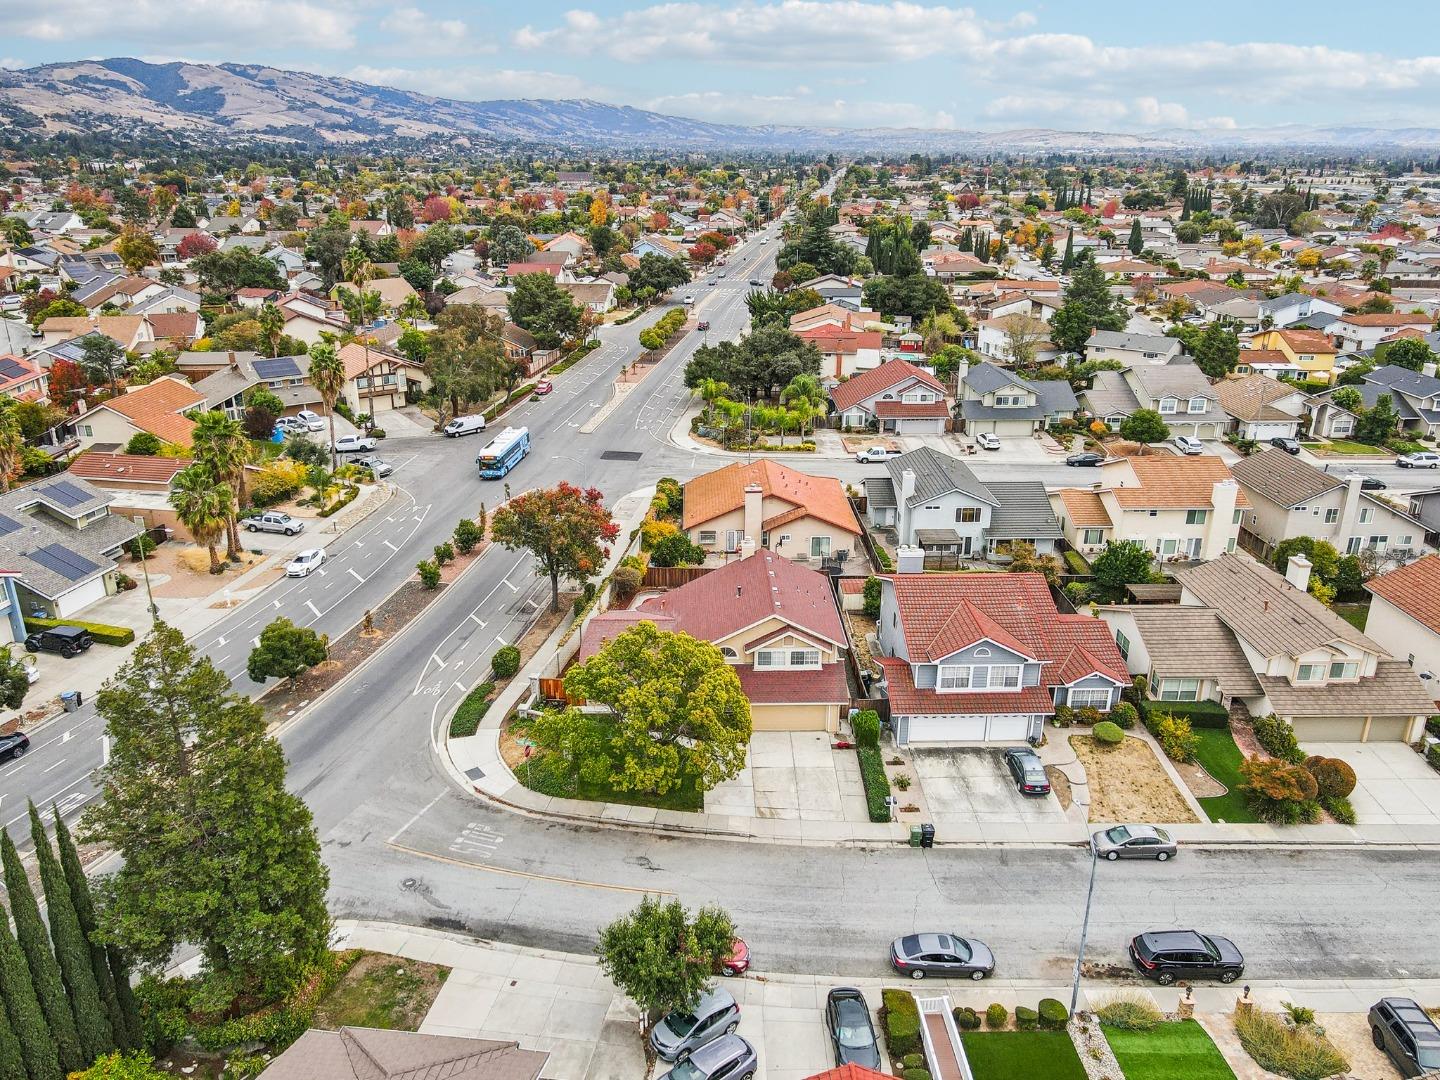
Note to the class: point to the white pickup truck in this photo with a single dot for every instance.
(274, 521)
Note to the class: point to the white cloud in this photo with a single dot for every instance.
(1067, 110)
(217, 25)
(412, 27)
(479, 84)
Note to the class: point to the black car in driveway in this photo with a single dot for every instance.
(1290, 446)
(1087, 460)
(851, 1032)
(918, 955)
(13, 746)
(1167, 955)
(1027, 770)
(65, 640)
(1405, 1031)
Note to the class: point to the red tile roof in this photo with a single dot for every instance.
(156, 408)
(837, 339)
(825, 685)
(1414, 589)
(850, 1071)
(723, 490)
(916, 410)
(867, 384)
(906, 700)
(129, 468)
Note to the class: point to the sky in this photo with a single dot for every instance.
(1068, 64)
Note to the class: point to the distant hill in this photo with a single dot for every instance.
(233, 102)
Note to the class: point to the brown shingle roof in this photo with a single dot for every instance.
(1283, 478)
(1414, 589)
(1392, 318)
(1171, 482)
(1395, 690)
(156, 408)
(1250, 398)
(373, 1054)
(1193, 642)
(1085, 509)
(723, 490)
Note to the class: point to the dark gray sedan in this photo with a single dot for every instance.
(1134, 842)
(853, 1035)
(918, 955)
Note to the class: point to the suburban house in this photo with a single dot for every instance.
(739, 509)
(128, 331)
(1404, 616)
(1132, 349)
(1354, 333)
(307, 316)
(1308, 353)
(287, 377)
(995, 338)
(1180, 393)
(897, 396)
(1415, 396)
(985, 658)
(1263, 408)
(775, 622)
(377, 381)
(23, 380)
(62, 538)
(843, 352)
(1178, 508)
(1289, 497)
(597, 296)
(937, 505)
(1244, 634)
(1282, 311)
(138, 485)
(834, 287)
(357, 1053)
(998, 401)
(161, 408)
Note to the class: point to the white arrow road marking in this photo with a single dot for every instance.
(67, 736)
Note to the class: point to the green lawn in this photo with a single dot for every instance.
(1346, 446)
(1022, 1055)
(1354, 614)
(543, 774)
(1179, 1050)
(1221, 758)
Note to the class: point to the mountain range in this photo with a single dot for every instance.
(228, 103)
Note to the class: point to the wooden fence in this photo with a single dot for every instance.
(672, 577)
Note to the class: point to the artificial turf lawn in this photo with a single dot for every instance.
(1177, 1050)
(1022, 1055)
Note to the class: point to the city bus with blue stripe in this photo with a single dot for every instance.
(503, 453)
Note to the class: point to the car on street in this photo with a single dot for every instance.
(877, 453)
(305, 563)
(738, 962)
(1134, 842)
(689, 298)
(852, 1035)
(1371, 483)
(1188, 445)
(353, 444)
(1087, 459)
(680, 1033)
(273, 521)
(312, 421)
(987, 441)
(543, 387)
(712, 283)
(721, 274)
(756, 281)
(1167, 955)
(1290, 446)
(464, 425)
(918, 955)
(1404, 1030)
(1027, 770)
(66, 640)
(378, 467)
(1425, 459)
(13, 746)
(727, 1058)
(702, 325)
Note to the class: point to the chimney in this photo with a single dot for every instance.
(1349, 511)
(1220, 525)
(750, 527)
(1297, 572)
(902, 507)
(910, 560)
(1428, 369)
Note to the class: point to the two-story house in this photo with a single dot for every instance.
(1179, 392)
(377, 381)
(1132, 349)
(1244, 634)
(1309, 354)
(1289, 497)
(1414, 395)
(897, 397)
(1178, 508)
(23, 380)
(1357, 332)
(1263, 408)
(1000, 402)
(1404, 616)
(985, 658)
(843, 352)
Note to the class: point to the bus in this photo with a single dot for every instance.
(504, 453)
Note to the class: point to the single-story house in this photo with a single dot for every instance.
(161, 408)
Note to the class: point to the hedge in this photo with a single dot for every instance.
(104, 633)
(901, 1018)
(877, 784)
(576, 355)
(1201, 714)
(472, 710)
(1053, 1014)
(866, 725)
(1077, 563)
(1026, 1019)
(1278, 738)
(340, 504)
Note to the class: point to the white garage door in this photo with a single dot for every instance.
(919, 427)
(1009, 728)
(1262, 432)
(946, 729)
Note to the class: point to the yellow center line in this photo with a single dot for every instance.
(524, 874)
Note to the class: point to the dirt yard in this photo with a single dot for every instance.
(382, 991)
(1127, 783)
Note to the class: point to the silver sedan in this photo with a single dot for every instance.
(1134, 842)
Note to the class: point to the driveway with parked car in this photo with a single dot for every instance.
(974, 785)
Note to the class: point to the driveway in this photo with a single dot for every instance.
(1393, 785)
(793, 776)
(973, 786)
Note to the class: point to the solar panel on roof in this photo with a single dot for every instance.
(63, 561)
(9, 525)
(12, 369)
(281, 367)
(65, 493)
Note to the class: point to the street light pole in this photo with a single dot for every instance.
(145, 570)
(1084, 931)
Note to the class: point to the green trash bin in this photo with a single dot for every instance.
(914, 835)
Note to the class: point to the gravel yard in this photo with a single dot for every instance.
(1127, 783)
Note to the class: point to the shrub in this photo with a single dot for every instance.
(866, 725)
(877, 784)
(429, 574)
(142, 546)
(652, 531)
(1076, 562)
(1432, 755)
(1053, 1014)
(1175, 737)
(1299, 1052)
(444, 553)
(1026, 1019)
(1432, 725)
(345, 499)
(1278, 739)
(1079, 593)
(676, 549)
(276, 482)
(996, 1016)
(1280, 792)
(1201, 714)
(467, 536)
(1064, 716)
(1124, 715)
(901, 1020)
(1333, 778)
(1108, 734)
(913, 1061)
(506, 662)
(1299, 1014)
(1338, 807)
(916, 1074)
(466, 720)
(871, 607)
(144, 444)
(1088, 715)
(104, 633)
(966, 1018)
(1130, 1011)
(626, 581)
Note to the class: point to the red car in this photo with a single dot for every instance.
(738, 962)
(543, 387)
(703, 324)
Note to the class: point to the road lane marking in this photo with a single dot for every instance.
(55, 766)
(461, 687)
(477, 619)
(391, 546)
(524, 874)
(506, 582)
(313, 609)
(104, 750)
(416, 817)
(438, 662)
(356, 576)
(67, 736)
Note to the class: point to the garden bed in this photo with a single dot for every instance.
(382, 991)
(1175, 1050)
(544, 773)
(1022, 1055)
(1128, 783)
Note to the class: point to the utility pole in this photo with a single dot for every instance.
(145, 570)
(1084, 931)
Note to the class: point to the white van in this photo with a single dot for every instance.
(464, 425)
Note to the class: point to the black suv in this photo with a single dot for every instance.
(1290, 446)
(1405, 1031)
(65, 640)
(1167, 955)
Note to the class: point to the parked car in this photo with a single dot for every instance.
(1087, 459)
(738, 962)
(13, 746)
(66, 640)
(543, 387)
(1188, 445)
(311, 421)
(1290, 446)
(290, 425)
(756, 281)
(305, 563)
(353, 444)
(1028, 770)
(703, 324)
(987, 441)
(877, 453)
(1425, 459)
(680, 1033)
(1406, 1033)
(727, 1058)
(377, 466)
(847, 1016)
(464, 425)
(918, 955)
(1134, 842)
(1167, 955)
(1370, 483)
(273, 521)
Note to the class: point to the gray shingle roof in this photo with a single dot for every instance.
(1410, 383)
(1024, 512)
(1283, 478)
(1193, 643)
(37, 530)
(936, 475)
(1395, 690)
(1110, 395)
(879, 491)
(1114, 339)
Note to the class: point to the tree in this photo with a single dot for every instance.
(12, 445)
(195, 245)
(678, 711)
(22, 1009)
(1144, 426)
(203, 507)
(1089, 306)
(133, 1066)
(221, 445)
(1024, 559)
(661, 957)
(262, 409)
(542, 307)
(509, 245)
(677, 549)
(1023, 334)
(285, 651)
(224, 272)
(917, 296)
(1411, 353)
(72, 950)
(216, 852)
(327, 376)
(1137, 240)
(1123, 562)
(44, 971)
(816, 247)
(272, 324)
(565, 528)
(465, 356)
(103, 359)
(1323, 556)
(137, 249)
(767, 357)
(12, 1060)
(1217, 351)
(1376, 425)
(14, 683)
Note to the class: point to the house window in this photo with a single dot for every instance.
(1239, 516)
(1367, 515)
(707, 536)
(819, 547)
(1378, 541)
(1344, 669)
(967, 513)
(978, 677)
(1122, 643)
(1094, 537)
(1169, 405)
(1179, 689)
(1167, 547)
(87, 431)
(1153, 513)
(729, 653)
(804, 658)
(787, 658)
(1332, 515)
(1352, 546)
(982, 652)
(1310, 673)
(1007, 400)
(1195, 517)
(1404, 541)
(933, 506)
(952, 678)
(1343, 425)
(1099, 699)
(1197, 404)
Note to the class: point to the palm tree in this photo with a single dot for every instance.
(327, 376)
(413, 310)
(203, 506)
(12, 447)
(272, 325)
(220, 444)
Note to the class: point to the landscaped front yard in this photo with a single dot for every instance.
(1022, 1055)
(1345, 447)
(1128, 783)
(1221, 758)
(382, 991)
(1177, 1050)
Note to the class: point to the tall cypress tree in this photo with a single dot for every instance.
(22, 1009)
(12, 1061)
(112, 973)
(1067, 261)
(1137, 242)
(72, 951)
(44, 971)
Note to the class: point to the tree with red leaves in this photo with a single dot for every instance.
(566, 528)
(703, 253)
(66, 377)
(437, 208)
(195, 245)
